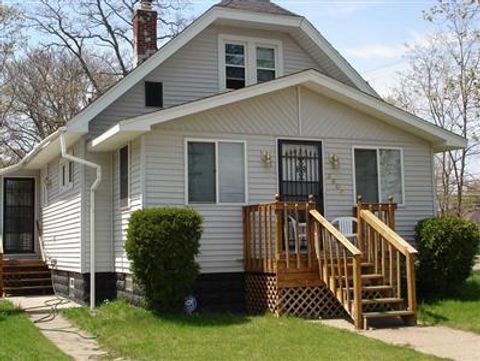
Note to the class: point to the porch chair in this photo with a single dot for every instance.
(293, 231)
(346, 226)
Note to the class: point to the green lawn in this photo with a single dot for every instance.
(462, 311)
(139, 335)
(21, 340)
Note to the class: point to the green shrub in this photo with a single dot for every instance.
(162, 244)
(447, 248)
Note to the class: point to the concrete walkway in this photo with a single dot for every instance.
(435, 340)
(70, 340)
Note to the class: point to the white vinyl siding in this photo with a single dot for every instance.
(121, 215)
(261, 122)
(62, 215)
(193, 73)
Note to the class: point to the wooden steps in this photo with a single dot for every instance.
(388, 314)
(383, 300)
(26, 277)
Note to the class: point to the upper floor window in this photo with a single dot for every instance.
(379, 174)
(124, 175)
(234, 66)
(244, 61)
(153, 94)
(265, 64)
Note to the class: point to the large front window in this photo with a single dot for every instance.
(216, 172)
(379, 174)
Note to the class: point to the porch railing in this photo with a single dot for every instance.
(339, 265)
(391, 256)
(277, 231)
(293, 237)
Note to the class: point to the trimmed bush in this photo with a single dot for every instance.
(162, 244)
(447, 248)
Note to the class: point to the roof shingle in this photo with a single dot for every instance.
(264, 6)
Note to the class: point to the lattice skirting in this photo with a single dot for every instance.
(263, 294)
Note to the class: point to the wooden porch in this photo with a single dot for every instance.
(298, 263)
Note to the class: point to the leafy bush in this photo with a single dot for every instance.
(162, 244)
(447, 248)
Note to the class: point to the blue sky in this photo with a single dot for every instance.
(370, 34)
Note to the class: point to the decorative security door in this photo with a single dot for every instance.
(300, 171)
(18, 215)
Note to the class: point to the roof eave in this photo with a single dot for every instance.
(439, 138)
(47, 149)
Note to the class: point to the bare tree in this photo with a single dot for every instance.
(442, 85)
(81, 48)
(44, 90)
(100, 28)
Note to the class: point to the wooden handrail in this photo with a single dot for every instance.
(392, 257)
(354, 251)
(386, 232)
(335, 255)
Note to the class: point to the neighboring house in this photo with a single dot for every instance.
(211, 120)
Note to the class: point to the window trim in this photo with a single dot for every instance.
(129, 157)
(217, 188)
(251, 44)
(377, 149)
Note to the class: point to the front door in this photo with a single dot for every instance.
(300, 171)
(18, 215)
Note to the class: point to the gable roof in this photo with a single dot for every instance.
(264, 6)
(79, 123)
(440, 139)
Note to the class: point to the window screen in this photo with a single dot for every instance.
(153, 94)
(231, 167)
(391, 175)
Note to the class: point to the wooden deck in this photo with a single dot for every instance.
(298, 263)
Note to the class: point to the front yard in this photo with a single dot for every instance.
(137, 334)
(462, 311)
(21, 340)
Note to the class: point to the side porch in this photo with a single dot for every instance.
(298, 263)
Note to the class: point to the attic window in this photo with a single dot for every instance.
(245, 61)
(235, 66)
(265, 64)
(153, 94)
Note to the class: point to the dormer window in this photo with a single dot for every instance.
(245, 61)
(234, 66)
(265, 64)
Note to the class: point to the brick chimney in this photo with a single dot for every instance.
(144, 32)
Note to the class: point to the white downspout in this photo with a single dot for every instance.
(93, 188)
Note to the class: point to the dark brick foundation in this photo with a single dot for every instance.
(105, 286)
(216, 292)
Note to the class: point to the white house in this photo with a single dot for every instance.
(208, 121)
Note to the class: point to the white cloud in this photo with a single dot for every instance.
(377, 51)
